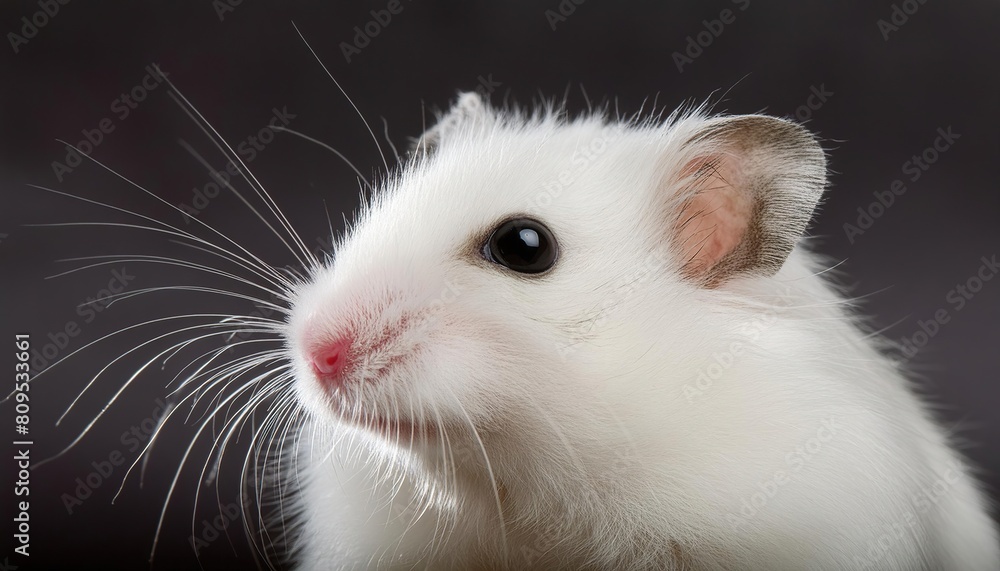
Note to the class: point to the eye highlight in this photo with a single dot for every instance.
(523, 245)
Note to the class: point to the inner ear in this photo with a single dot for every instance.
(714, 220)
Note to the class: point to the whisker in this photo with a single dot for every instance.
(167, 228)
(246, 173)
(121, 296)
(288, 417)
(489, 471)
(327, 147)
(221, 442)
(191, 150)
(114, 398)
(285, 284)
(143, 258)
(176, 478)
(149, 446)
(112, 334)
(224, 369)
(136, 374)
(337, 83)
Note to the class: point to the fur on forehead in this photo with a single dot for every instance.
(472, 118)
(483, 165)
(731, 194)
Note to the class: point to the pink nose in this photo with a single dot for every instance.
(330, 361)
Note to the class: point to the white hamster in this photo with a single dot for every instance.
(553, 343)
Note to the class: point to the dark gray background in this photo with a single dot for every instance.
(888, 99)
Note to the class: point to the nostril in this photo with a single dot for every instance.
(330, 360)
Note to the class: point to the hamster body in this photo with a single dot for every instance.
(650, 372)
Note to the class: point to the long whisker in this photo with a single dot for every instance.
(286, 285)
(227, 376)
(279, 415)
(489, 471)
(293, 413)
(112, 334)
(143, 258)
(206, 369)
(148, 447)
(114, 398)
(337, 83)
(121, 296)
(327, 147)
(177, 474)
(247, 174)
(285, 415)
(258, 264)
(137, 372)
(191, 150)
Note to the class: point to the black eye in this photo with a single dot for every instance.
(523, 245)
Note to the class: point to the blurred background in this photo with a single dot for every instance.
(899, 91)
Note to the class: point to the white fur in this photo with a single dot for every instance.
(581, 386)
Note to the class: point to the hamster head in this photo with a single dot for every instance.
(533, 290)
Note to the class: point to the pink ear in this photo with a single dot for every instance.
(714, 221)
(744, 198)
